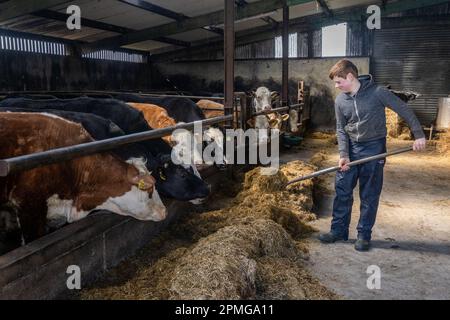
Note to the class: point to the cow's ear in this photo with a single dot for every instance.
(251, 93)
(273, 123)
(284, 117)
(274, 94)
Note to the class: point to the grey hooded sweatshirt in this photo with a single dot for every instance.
(362, 117)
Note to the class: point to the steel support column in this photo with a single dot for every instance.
(229, 57)
(285, 68)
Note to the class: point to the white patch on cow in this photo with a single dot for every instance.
(139, 164)
(187, 149)
(137, 204)
(214, 136)
(60, 212)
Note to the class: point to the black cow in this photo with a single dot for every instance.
(172, 180)
(179, 108)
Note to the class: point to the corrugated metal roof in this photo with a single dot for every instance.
(124, 15)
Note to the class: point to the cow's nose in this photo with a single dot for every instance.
(267, 107)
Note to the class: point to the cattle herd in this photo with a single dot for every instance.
(128, 180)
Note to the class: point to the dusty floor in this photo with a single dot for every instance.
(411, 238)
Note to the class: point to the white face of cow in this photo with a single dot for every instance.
(188, 149)
(215, 136)
(262, 100)
(293, 120)
(138, 204)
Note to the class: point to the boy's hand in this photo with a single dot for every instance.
(343, 164)
(419, 144)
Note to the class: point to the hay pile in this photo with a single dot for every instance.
(331, 138)
(250, 249)
(443, 142)
(396, 126)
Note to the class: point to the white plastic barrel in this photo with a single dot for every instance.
(443, 118)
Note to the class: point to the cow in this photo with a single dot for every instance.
(68, 191)
(98, 127)
(181, 110)
(158, 118)
(172, 180)
(211, 109)
(262, 99)
(276, 120)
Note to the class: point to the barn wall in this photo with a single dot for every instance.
(30, 71)
(207, 76)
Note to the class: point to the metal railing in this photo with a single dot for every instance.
(8, 166)
(25, 162)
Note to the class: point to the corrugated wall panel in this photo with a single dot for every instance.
(415, 59)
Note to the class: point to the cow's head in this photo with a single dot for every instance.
(142, 201)
(276, 120)
(175, 181)
(214, 138)
(262, 99)
(138, 197)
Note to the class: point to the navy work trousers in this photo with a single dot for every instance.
(370, 176)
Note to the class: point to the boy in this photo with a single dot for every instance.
(361, 133)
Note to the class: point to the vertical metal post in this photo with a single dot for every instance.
(243, 113)
(229, 57)
(285, 67)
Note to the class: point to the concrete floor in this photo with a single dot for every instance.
(411, 238)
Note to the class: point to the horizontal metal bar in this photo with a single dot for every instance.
(30, 161)
(190, 97)
(353, 163)
(108, 92)
(280, 109)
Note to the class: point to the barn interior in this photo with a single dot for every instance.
(253, 237)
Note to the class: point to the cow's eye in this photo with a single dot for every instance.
(161, 174)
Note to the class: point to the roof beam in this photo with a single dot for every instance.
(214, 18)
(325, 7)
(316, 21)
(59, 16)
(16, 8)
(164, 12)
(268, 20)
(155, 9)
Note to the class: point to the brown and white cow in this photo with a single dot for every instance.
(156, 117)
(211, 109)
(69, 191)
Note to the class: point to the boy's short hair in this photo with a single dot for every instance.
(342, 69)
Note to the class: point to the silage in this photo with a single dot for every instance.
(248, 249)
(443, 142)
(396, 126)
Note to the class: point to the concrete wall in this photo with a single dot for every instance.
(30, 71)
(201, 76)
